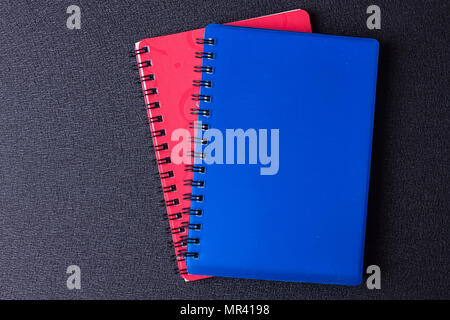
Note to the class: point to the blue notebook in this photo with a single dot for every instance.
(283, 155)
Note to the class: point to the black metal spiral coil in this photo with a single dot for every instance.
(175, 216)
(165, 160)
(201, 97)
(196, 125)
(143, 64)
(153, 91)
(193, 197)
(194, 183)
(171, 188)
(197, 155)
(203, 69)
(206, 55)
(134, 53)
(153, 105)
(193, 212)
(198, 140)
(166, 175)
(173, 202)
(161, 147)
(148, 77)
(205, 41)
(192, 168)
(202, 83)
(156, 119)
(158, 133)
(183, 254)
(184, 241)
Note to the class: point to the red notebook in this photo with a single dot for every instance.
(166, 69)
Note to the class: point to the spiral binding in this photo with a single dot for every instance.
(193, 212)
(177, 255)
(205, 41)
(185, 240)
(202, 83)
(180, 246)
(162, 161)
(192, 168)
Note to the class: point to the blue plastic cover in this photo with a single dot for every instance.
(303, 217)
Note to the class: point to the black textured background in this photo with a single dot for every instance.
(77, 181)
